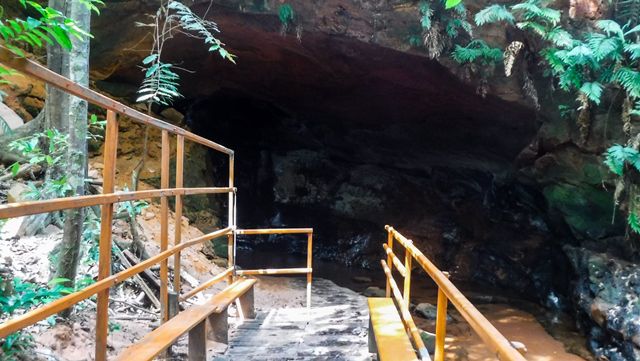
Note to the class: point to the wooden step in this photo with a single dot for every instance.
(192, 320)
(387, 335)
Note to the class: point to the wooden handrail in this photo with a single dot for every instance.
(204, 285)
(406, 315)
(110, 197)
(283, 271)
(51, 205)
(60, 304)
(32, 68)
(274, 231)
(487, 332)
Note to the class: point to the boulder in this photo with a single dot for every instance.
(374, 292)
(428, 311)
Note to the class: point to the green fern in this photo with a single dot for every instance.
(534, 10)
(426, 14)
(559, 37)
(201, 27)
(593, 91)
(160, 85)
(494, 14)
(617, 156)
(477, 51)
(286, 14)
(629, 80)
(628, 11)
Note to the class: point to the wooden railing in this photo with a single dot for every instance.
(109, 197)
(447, 292)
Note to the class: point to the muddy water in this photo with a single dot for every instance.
(547, 336)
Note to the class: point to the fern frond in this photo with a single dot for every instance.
(610, 27)
(633, 49)
(533, 10)
(425, 14)
(536, 27)
(476, 50)
(160, 85)
(604, 47)
(593, 91)
(628, 11)
(581, 55)
(201, 27)
(560, 37)
(493, 14)
(629, 80)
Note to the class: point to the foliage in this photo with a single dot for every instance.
(493, 14)
(161, 81)
(617, 156)
(286, 14)
(477, 51)
(25, 296)
(451, 23)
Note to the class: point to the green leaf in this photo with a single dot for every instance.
(149, 59)
(593, 90)
(15, 168)
(493, 14)
(451, 3)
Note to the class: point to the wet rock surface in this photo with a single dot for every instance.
(607, 294)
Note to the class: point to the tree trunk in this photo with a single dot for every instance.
(68, 114)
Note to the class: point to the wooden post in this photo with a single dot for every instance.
(231, 254)
(230, 260)
(389, 260)
(441, 324)
(310, 267)
(174, 304)
(406, 294)
(198, 342)
(219, 327)
(106, 219)
(246, 306)
(177, 239)
(164, 226)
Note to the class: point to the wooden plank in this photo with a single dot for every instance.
(309, 266)
(391, 339)
(31, 317)
(38, 71)
(164, 225)
(157, 341)
(487, 332)
(177, 235)
(275, 231)
(274, 271)
(407, 319)
(217, 278)
(51, 205)
(104, 247)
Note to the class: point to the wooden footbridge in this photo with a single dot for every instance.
(336, 327)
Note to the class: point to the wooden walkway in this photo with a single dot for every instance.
(335, 329)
